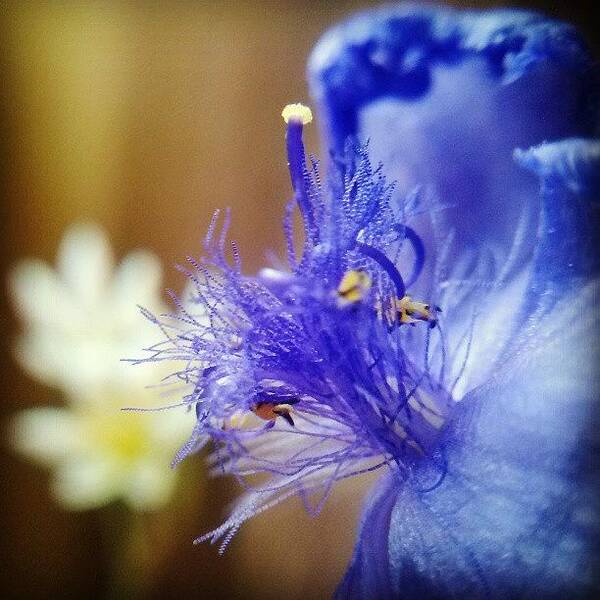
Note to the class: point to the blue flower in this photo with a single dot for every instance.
(494, 114)
(327, 369)
(441, 328)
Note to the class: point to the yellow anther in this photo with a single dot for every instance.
(237, 421)
(269, 412)
(411, 311)
(406, 311)
(297, 112)
(355, 285)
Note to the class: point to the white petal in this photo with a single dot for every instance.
(47, 435)
(75, 360)
(172, 427)
(31, 355)
(137, 280)
(149, 485)
(40, 297)
(85, 262)
(86, 483)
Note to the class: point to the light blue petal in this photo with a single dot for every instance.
(446, 96)
(567, 246)
(516, 515)
(445, 99)
(394, 51)
(573, 164)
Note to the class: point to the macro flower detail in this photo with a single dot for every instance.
(79, 321)
(495, 115)
(442, 328)
(321, 372)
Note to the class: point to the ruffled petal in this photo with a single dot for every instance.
(446, 96)
(573, 164)
(566, 257)
(567, 249)
(516, 514)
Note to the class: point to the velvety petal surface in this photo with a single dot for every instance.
(567, 245)
(516, 514)
(446, 96)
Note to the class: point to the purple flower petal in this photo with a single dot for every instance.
(516, 514)
(567, 239)
(446, 99)
(446, 96)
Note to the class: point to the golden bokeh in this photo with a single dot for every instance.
(145, 117)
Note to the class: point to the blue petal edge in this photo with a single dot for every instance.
(573, 164)
(368, 574)
(568, 251)
(390, 52)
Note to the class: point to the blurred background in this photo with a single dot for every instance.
(143, 117)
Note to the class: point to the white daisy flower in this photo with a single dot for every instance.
(80, 321)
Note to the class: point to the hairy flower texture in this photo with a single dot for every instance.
(495, 115)
(443, 330)
(322, 371)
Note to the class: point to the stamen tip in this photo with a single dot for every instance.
(297, 112)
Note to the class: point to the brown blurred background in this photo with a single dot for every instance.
(144, 117)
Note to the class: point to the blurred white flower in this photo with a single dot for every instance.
(98, 453)
(79, 322)
(82, 319)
